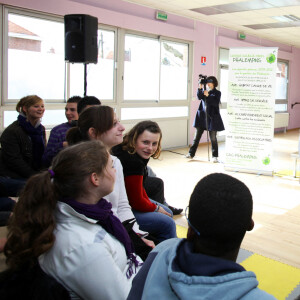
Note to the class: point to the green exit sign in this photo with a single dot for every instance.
(161, 16)
(241, 36)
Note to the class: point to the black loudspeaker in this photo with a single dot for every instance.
(81, 39)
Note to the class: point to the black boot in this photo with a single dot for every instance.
(175, 211)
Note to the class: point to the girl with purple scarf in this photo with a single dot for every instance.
(63, 223)
(23, 142)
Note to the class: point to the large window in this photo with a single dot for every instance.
(100, 76)
(141, 75)
(34, 61)
(282, 85)
(174, 70)
(35, 58)
(155, 69)
(223, 74)
(281, 95)
(141, 68)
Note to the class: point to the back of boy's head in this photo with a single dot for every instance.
(87, 101)
(74, 99)
(220, 209)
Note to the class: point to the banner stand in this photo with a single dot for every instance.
(250, 171)
(251, 110)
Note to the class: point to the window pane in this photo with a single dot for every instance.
(174, 71)
(281, 80)
(224, 84)
(100, 76)
(141, 68)
(280, 107)
(224, 56)
(153, 112)
(50, 118)
(35, 57)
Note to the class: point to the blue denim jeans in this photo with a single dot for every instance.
(157, 224)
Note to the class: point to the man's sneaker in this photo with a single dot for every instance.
(215, 160)
(189, 156)
(175, 211)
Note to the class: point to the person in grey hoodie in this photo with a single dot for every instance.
(203, 266)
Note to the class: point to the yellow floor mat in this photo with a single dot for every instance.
(286, 173)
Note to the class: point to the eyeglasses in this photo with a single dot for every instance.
(190, 224)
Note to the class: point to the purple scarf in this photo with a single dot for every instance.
(103, 214)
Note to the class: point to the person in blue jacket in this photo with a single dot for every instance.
(208, 107)
(203, 266)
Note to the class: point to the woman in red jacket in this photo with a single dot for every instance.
(142, 142)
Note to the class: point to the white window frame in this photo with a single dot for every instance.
(160, 39)
(7, 10)
(121, 103)
(106, 101)
(118, 85)
(284, 101)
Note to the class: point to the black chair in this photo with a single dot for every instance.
(30, 284)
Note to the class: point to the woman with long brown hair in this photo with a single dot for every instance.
(101, 123)
(62, 222)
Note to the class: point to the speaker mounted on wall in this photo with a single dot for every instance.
(81, 38)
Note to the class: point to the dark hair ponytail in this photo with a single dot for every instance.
(30, 229)
(74, 136)
(101, 118)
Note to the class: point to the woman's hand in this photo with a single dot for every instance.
(206, 93)
(149, 243)
(162, 211)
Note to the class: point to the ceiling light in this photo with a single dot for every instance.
(286, 18)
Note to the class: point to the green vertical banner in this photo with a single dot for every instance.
(250, 109)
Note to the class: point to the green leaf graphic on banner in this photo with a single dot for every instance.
(271, 58)
(266, 161)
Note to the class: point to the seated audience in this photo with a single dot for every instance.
(86, 102)
(140, 143)
(101, 123)
(63, 223)
(203, 266)
(23, 142)
(58, 133)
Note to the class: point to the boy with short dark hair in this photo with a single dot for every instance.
(58, 133)
(203, 266)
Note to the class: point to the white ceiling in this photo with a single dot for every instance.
(238, 20)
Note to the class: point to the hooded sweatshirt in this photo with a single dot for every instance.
(174, 271)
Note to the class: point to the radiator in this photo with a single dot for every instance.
(281, 120)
